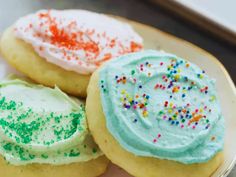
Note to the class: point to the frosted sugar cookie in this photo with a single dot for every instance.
(43, 132)
(156, 115)
(63, 48)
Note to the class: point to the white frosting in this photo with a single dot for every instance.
(77, 40)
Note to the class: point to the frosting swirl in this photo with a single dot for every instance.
(77, 40)
(42, 125)
(159, 105)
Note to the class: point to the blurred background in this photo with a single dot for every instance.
(209, 24)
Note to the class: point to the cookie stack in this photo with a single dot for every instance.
(151, 113)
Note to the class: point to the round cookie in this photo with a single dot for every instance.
(23, 57)
(143, 144)
(63, 48)
(44, 133)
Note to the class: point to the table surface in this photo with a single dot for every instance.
(138, 10)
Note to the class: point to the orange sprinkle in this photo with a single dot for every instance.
(141, 106)
(196, 118)
(135, 46)
(175, 89)
(112, 43)
(68, 58)
(106, 57)
(40, 48)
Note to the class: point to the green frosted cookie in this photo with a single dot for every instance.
(40, 125)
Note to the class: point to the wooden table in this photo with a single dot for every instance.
(139, 10)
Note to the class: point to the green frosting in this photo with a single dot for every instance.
(42, 125)
(159, 105)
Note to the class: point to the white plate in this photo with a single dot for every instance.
(156, 39)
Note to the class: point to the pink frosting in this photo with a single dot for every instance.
(77, 40)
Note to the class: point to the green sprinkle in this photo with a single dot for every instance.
(7, 147)
(44, 156)
(73, 153)
(94, 150)
(161, 112)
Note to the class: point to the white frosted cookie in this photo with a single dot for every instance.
(43, 132)
(64, 47)
(156, 115)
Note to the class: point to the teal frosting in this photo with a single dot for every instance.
(159, 105)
